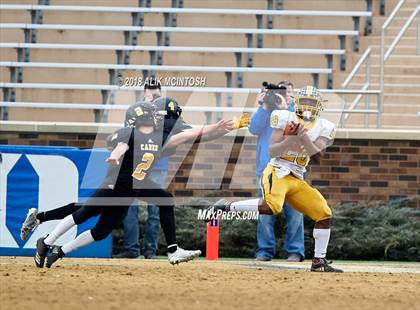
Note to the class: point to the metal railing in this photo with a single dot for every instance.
(124, 107)
(162, 10)
(232, 90)
(385, 53)
(366, 58)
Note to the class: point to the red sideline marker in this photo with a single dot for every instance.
(212, 240)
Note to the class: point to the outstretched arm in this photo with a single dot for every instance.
(220, 128)
(236, 123)
(114, 157)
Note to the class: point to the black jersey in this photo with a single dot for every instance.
(144, 150)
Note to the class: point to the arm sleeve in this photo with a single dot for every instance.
(258, 122)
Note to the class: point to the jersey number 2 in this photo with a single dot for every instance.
(140, 172)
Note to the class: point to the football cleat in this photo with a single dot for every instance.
(41, 252)
(30, 223)
(219, 206)
(322, 265)
(55, 255)
(182, 256)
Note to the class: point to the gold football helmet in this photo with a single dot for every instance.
(308, 103)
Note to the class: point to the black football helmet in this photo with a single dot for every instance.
(167, 107)
(141, 114)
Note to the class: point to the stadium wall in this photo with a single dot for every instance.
(359, 166)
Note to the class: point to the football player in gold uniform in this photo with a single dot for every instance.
(297, 136)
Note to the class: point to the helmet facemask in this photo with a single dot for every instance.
(308, 108)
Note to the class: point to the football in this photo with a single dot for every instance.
(291, 129)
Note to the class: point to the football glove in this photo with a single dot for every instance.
(241, 121)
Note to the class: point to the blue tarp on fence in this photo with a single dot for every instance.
(47, 178)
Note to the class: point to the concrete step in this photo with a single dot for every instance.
(398, 69)
(389, 120)
(76, 56)
(12, 35)
(394, 59)
(402, 60)
(389, 79)
(18, 114)
(58, 95)
(376, 40)
(394, 88)
(8, 54)
(410, 32)
(402, 97)
(46, 75)
(15, 17)
(401, 108)
(399, 49)
(378, 21)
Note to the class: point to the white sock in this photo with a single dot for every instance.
(321, 236)
(81, 240)
(245, 205)
(62, 227)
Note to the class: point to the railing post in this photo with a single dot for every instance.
(418, 32)
(129, 38)
(382, 7)
(343, 56)
(173, 16)
(250, 57)
(239, 75)
(368, 26)
(381, 78)
(159, 43)
(356, 39)
(260, 35)
(329, 66)
(219, 115)
(367, 97)
(229, 85)
(315, 78)
(166, 24)
(269, 17)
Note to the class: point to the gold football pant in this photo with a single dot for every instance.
(296, 192)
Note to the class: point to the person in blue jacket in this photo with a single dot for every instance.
(294, 240)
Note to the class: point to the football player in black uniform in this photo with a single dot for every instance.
(167, 111)
(136, 150)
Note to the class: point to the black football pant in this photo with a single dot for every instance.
(112, 205)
